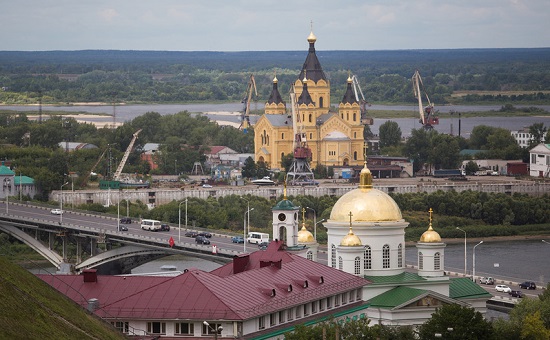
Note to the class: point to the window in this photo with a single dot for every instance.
(420, 261)
(354, 155)
(400, 255)
(333, 256)
(121, 326)
(321, 103)
(283, 135)
(533, 159)
(185, 328)
(314, 307)
(386, 256)
(357, 265)
(311, 136)
(347, 115)
(306, 309)
(290, 314)
(355, 135)
(309, 255)
(367, 262)
(547, 160)
(437, 261)
(322, 305)
(282, 316)
(298, 312)
(354, 116)
(211, 328)
(272, 319)
(329, 302)
(156, 327)
(309, 117)
(340, 263)
(261, 322)
(337, 300)
(344, 298)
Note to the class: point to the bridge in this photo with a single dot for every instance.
(64, 239)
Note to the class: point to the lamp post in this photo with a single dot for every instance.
(7, 187)
(212, 329)
(118, 212)
(245, 227)
(321, 221)
(465, 271)
(314, 222)
(61, 204)
(545, 242)
(179, 218)
(474, 262)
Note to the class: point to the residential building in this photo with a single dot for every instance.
(539, 161)
(523, 137)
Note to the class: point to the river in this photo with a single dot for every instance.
(229, 112)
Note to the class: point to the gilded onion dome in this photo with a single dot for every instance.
(351, 240)
(305, 236)
(366, 203)
(430, 235)
(311, 38)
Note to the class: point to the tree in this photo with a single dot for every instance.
(479, 135)
(465, 323)
(444, 151)
(249, 168)
(471, 168)
(390, 134)
(538, 131)
(418, 147)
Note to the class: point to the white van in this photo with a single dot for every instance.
(257, 238)
(152, 225)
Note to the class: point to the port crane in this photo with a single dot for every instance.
(362, 102)
(85, 180)
(428, 116)
(300, 172)
(245, 118)
(118, 171)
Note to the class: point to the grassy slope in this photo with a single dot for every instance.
(31, 309)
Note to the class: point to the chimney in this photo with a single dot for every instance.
(90, 275)
(93, 303)
(240, 262)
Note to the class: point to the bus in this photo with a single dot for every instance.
(152, 225)
(257, 238)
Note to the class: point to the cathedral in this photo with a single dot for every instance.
(334, 137)
(366, 238)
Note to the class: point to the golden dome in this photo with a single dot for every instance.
(311, 38)
(351, 240)
(366, 205)
(305, 236)
(275, 80)
(430, 236)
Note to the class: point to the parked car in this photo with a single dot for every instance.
(126, 220)
(263, 245)
(123, 228)
(206, 186)
(201, 240)
(56, 211)
(503, 288)
(528, 285)
(487, 281)
(192, 234)
(516, 293)
(237, 239)
(205, 234)
(164, 227)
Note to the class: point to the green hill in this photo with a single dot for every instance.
(30, 309)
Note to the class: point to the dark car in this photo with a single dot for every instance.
(263, 245)
(205, 234)
(123, 228)
(191, 234)
(516, 293)
(164, 227)
(126, 220)
(528, 285)
(201, 240)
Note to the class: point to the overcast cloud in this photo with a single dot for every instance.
(256, 25)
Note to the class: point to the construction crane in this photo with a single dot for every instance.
(362, 102)
(118, 171)
(85, 180)
(245, 118)
(300, 171)
(428, 116)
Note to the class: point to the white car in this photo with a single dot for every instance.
(503, 288)
(56, 211)
(206, 186)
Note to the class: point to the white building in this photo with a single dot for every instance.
(539, 161)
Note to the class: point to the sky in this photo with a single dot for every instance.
(272, 25)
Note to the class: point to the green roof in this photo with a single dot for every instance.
(464, 288)
(285, 205)
(395, 297)
(25, 180)
(404, 277)
(5, 171)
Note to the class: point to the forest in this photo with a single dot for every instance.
(459, 76)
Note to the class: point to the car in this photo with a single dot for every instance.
(126, 220)
(516, 293)
(192, 234)
(237, 239)
(164, 227)
(205, 234)
(487, 281)
(503, 288)
(201, 240)
(56, 212)
(123, 228)
(528, 285)
(263, 245)
(206, 186)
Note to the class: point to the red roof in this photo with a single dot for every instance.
(261, 288)
(215, 149)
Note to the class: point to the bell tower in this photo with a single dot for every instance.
(285, 221)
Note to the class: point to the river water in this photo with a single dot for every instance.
(229, 112)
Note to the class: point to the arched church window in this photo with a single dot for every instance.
(354, 117)
(420, 261)
(357, 265)
(367, 262)
(309, 118)
(355, 135)
(400, 255)
(282, 155)
(333, 256)
(321, 102)
(355, 155)
(340, 263)
(437, 261)
(347, 115)
(386, 256)
(346, 162)
(283, 135)
(311, 136)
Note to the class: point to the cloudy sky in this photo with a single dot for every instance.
(269, 25)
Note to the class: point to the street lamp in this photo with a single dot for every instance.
(321, 221)
(61, 204)
(545, 242)
(245, 225)
(216, 331)
(474, 261)
(7, 187)
(179, 218)
(314, 222)
(465, 271)
(118, 213)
